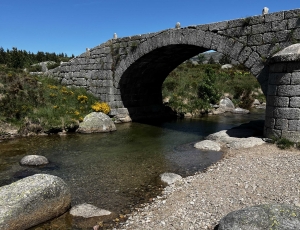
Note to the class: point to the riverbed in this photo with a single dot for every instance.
(119, 170)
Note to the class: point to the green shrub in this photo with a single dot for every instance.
(34, 68)
(52, 65)
(284, 143)
(192, 88)
(42, 101)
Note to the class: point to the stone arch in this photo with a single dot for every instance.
(140, 75)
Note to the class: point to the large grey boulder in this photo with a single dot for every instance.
(88, 210)
(96, 122)
(268, 216)
(169, 178)
(33, 200)
(245, 142)
(226, 104)
(34, 160)
(208, 145)
(236, 138)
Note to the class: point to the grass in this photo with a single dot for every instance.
(193, 88)
(41, 103)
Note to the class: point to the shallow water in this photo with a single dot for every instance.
(115, 171)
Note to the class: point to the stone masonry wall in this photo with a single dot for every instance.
(283, 100)
(250, 41)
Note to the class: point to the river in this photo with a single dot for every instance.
(117, 171)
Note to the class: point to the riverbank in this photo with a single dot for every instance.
(245, 177)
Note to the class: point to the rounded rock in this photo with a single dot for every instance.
(208, 145)
(169, 178)
(96, 122)
(34, 160)
(33, 200)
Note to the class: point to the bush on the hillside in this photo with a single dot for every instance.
(192, 88)
(42, 101)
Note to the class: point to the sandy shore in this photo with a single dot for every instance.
(245, 177)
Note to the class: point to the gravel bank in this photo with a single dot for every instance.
(252, 176)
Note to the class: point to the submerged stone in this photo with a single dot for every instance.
(34, 160)
(88, 210)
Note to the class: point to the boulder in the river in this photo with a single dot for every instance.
(33, 200)
(208, 145)
(88, 210)
(236, 138)
(169, 178)
(245, 142)
(122, 118)
(226, 104)
(267, 216)
(240, 111)
(96, 122)
(34, 160)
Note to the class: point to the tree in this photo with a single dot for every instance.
(225, 59)
(211, 60)
(2, 56)
(201, 58)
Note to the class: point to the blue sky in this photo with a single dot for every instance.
(70, 26)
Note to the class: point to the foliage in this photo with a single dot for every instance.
(101, 107)
(201, 58)
(283, 143)
(225, 59)
(193, 88)
(20, 59)
(211, 60)
(41, 100)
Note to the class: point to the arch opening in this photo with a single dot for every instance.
(140, 85)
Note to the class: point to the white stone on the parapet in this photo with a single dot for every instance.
(265, 10)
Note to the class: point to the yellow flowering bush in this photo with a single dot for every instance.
(52, 87)
(65, 91)
(101, 107)
(82, 98)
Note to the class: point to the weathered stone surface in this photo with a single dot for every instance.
(34, 160)
(169, 178)
(96, 122)
(226, 66)
(88, 210)
(226, 104)
(208, 145)
(267, 216)
(290, 53)
(240, 111)
(33, 200)
(244, 142)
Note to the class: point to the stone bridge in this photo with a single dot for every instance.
(128, 72)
